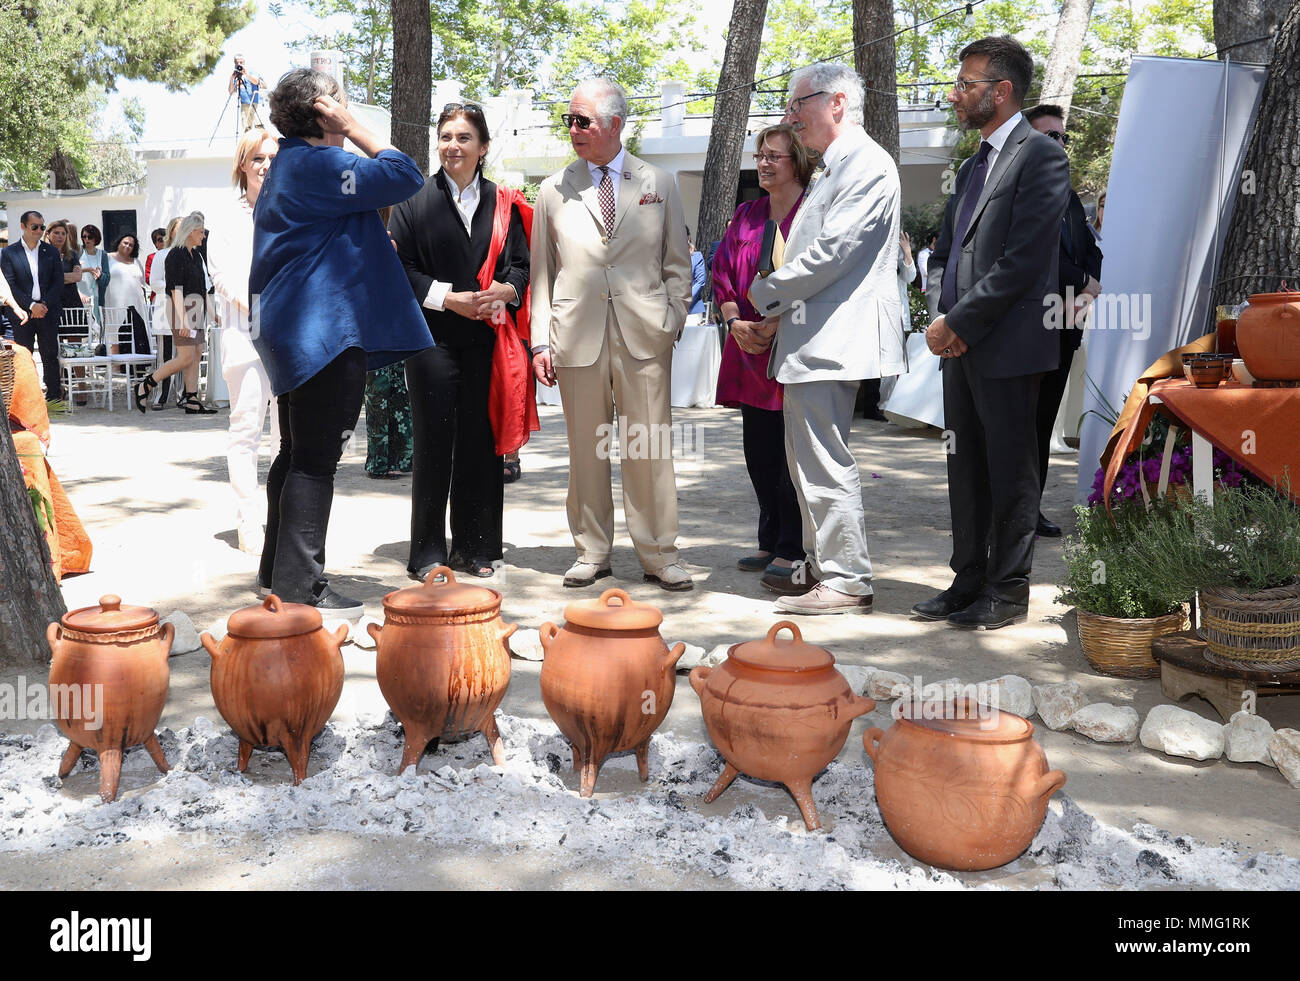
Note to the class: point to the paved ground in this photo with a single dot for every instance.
(152, 491)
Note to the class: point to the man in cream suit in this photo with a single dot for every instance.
(611, 280)
(836, 297)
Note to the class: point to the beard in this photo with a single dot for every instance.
(980, 114)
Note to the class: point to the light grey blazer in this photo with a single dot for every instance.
(837, 293)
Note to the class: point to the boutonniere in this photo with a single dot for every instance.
(651, 198)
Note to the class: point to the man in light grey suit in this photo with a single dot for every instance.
(834, 319)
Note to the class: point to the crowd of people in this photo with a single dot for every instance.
(347, 278)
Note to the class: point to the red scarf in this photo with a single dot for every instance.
(512, 394)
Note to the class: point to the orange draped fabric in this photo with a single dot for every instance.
(512, 399)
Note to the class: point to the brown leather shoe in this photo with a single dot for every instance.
(821, 599)
(789, 582)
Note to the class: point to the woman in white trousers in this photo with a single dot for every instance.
(230, 253)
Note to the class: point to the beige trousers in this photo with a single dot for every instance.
(640, 391)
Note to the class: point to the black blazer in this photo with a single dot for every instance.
(433, 245)
(1009, 257)
(13, 261)
(1080, 258)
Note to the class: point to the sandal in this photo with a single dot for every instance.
(192, 406)
(480, 568)
(512, 471)
(143, 389)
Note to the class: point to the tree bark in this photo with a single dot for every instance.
(30, 598)
(1063, 63)
(730, 118)
(412, 78)
(873, 21)
(64, 172)
(1236, 21)
(1263, 242)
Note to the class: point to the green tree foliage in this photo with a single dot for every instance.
(367, 45)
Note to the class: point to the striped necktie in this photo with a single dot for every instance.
(606, 195)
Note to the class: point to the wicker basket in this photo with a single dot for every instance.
(7, 374)
(1260, 630)
(1122, 647)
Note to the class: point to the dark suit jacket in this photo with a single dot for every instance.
(433, 245)
(13, 261)
(1080, 258)
(1009, 257)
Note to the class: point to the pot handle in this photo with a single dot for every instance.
(615, 593)
(507, 630)
(547, 635)
(52, 635)
(168, 635)
(373, 630)
(272, 603)
(861, 705)
(786, 625)
(210, 645)
(698, 678)
(671, 658)
(1046, 785)
(441, 570)
(871, 742)
(340, 636)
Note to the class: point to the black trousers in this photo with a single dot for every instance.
(993, 487)
(455, 458)
(316, 421)
(1049, 403)
(45, 333)
(780, 526)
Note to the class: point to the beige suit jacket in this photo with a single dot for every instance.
(643, 269)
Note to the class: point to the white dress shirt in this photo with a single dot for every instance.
(998, 139)
(34, 260)
(615, 173)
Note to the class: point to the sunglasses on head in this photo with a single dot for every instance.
(1059, 137)
(572, 119)
(462, 107)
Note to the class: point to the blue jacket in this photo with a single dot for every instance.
(325, 276)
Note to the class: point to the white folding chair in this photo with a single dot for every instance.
(127, 366)
(84, 372)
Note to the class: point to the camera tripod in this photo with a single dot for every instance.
(238, 121)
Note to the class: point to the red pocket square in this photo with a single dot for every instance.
(651, 199)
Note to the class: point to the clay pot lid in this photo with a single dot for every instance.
(110, 617)
(1263, 299)
(273, 619)
(773, 654)
(440, 595)
(614, 610)
(967, 719)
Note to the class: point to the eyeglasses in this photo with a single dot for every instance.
(572, 119)
(796, 104)
(1059, 137)
(770, 157)
(963, 84)
(36, 228)
(462, 107)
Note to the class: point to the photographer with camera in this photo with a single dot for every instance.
(248, 85)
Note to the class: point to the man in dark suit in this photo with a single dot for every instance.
(1079, 282)
(991, 277)
(34, 271)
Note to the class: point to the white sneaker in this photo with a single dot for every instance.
(585, 573)
(251, 539)
(672, 577)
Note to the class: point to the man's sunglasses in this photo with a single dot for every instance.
(37, 228)
(1059, 137)
(572, 119)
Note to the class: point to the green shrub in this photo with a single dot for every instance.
(1104, 575)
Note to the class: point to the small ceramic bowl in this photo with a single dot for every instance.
(1206, 374)
(1242, 373)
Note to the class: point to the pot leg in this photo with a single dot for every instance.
(590, 769)
(156, 752)
(643, 760)
(245, 751)
(414, 747)
(493, 736)
(729, 773)
(298, 751)
(110, 770)
(802, 793)
(69, 760)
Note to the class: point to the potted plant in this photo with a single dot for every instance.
(1121, 608)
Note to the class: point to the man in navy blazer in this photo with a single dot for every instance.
(38, 295)
(991, 278)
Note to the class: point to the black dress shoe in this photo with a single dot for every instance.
(987, 613)
(1046, 529)
(943, 605)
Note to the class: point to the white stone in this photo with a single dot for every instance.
(219, 629)
(858, 677)
(1104, 723)
(697, 657)
(1246, 739)
(1178, 732)
(884, 682)
(526, 644)
(186, 640)
(361, 636)
(1055, 704)
(1014, 695)
(930, 690)
(1284, 747)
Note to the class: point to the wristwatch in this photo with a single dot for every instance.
(731, 321)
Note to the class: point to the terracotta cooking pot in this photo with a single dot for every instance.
(108, 684)
(443, 664)
(607, 679)
(276, 678)
(779, 711)
(1268, 336)
(961, 792)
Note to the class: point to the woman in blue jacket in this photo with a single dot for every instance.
(329, 301)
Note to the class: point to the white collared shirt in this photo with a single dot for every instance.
(34, 260)
(998, 139)
(615, 172)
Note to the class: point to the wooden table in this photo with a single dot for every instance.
(1184, 670)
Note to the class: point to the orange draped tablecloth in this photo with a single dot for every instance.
(70, 547)
(1258, 427)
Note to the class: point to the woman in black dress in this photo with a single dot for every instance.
(443, 236)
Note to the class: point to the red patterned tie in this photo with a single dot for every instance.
(606, 195)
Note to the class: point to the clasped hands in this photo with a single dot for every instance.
(480, 305)
(943, 340)
(754, 336)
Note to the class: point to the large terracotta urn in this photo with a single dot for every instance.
(608, 680)
(1268, 336)
(276, 678)
(965, 790)
(108, 684)
(777, 710)
(443, 663)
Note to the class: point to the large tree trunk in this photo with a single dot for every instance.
(873, 20)
(730, 118)
(1236, 21)
(63, 173)
(1263, 243)
(412, 78)
(1063, 63)
(29, 597)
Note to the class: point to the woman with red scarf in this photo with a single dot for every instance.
(463, 242)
